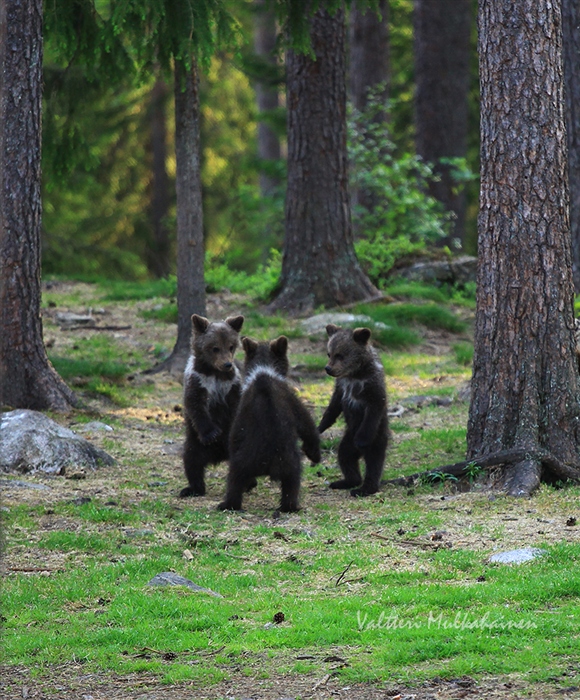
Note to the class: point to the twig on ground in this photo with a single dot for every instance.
(339, 580)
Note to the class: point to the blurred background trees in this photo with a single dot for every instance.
(109, 158)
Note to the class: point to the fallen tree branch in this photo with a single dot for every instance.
(494, 459)
(95, 328)
(413, 543)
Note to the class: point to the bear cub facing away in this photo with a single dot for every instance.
(361, 395)
(211, 392)
(269, 422)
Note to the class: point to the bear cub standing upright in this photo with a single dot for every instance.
(211, 392)
(269, 422)
(361, 395)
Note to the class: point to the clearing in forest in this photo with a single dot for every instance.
(388, 596)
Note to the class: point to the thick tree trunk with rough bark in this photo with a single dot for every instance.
(27, 379)
(319, 265)
(265, 35)
(571, 36)
(525, 392)
(190, 242)
(158, 258)
(442, 48)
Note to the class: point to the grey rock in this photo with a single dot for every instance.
(17, 484)
(318, 323)
(168, 578)
(422, 401)
(70, 319)
(30, 442)
(517, 556)
(458, 271)
(396, 411)
(139, 532)
(94, 426)
(464, 392)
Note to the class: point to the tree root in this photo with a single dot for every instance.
(174, 364)
(522, 477)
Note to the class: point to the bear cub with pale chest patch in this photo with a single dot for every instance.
(270, 421)
(360, 394)
(211, 393)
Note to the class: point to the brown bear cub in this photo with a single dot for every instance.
(269, 422)
(361, 395)
(211, 392)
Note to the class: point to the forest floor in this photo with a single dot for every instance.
(126, 523)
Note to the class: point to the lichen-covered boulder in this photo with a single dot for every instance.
(30, 442)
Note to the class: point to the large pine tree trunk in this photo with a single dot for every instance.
(319, 265)
(525, 392)
(266, 93)
(27, 379)
(190, 240)
(571, 32)
(158, 259)
(442, 38)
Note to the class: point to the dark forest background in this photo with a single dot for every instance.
(109, 156)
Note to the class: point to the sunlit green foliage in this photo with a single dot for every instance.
(97, 161)
(402, 218)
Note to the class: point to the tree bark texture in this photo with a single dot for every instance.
(525, 392)
(190, 240)
(442, 30)
(27, 379)
(319, 265)
(571, 37)
(266, 94)
(158, 259)
(369, 52)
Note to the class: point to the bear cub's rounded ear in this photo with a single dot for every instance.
(199, 323)
(361, 335)
(250, 346)
(331, 329)
(279, 346)
(235, 322)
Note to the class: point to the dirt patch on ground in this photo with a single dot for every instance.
(75, 683)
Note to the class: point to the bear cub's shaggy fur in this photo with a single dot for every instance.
(361, 395)
(211, 392)
(269, 422)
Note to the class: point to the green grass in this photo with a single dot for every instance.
(432, 619)
(166, 313)
(403, 610)
(430, 315)
(116, 290)
(100, 365)
(397, 322)
(464, 296)
(463, 353)
(423, 366)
